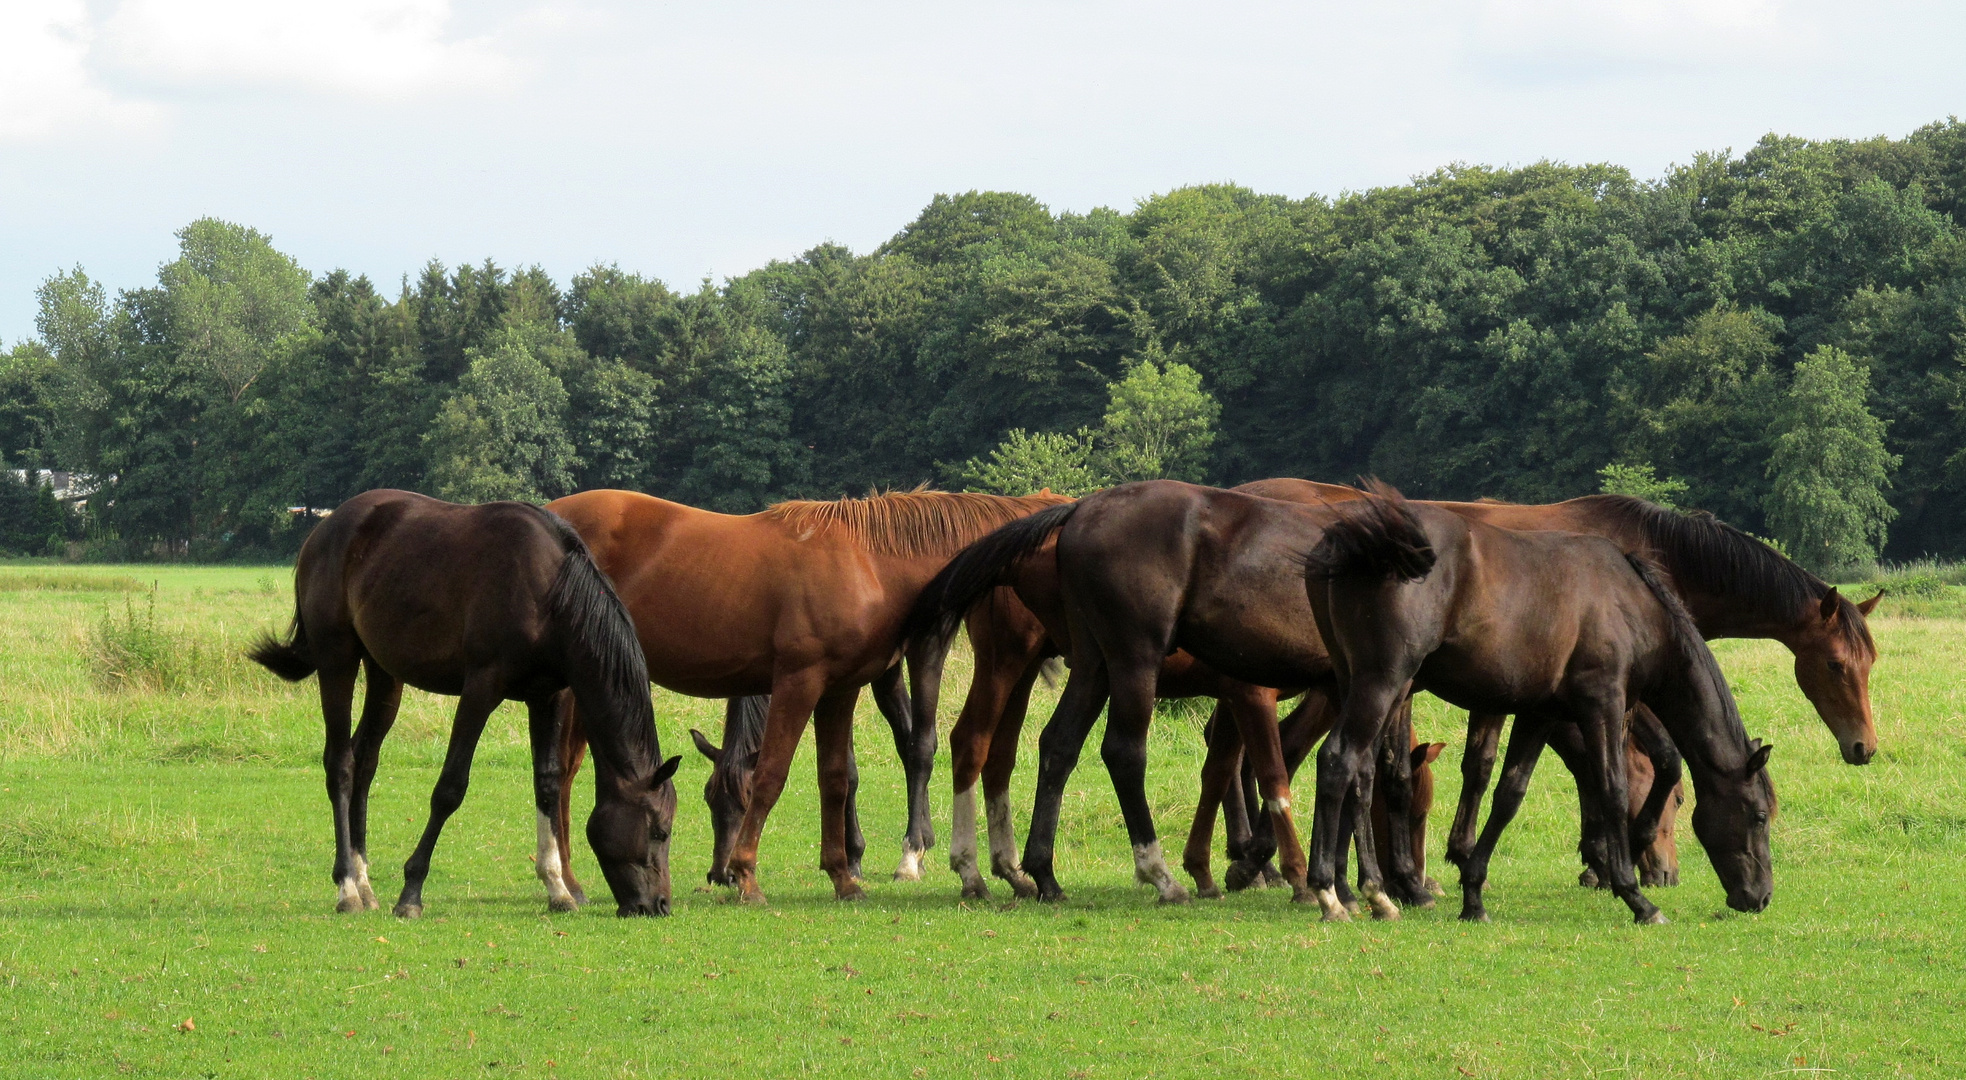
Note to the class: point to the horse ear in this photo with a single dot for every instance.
(1758, 760)
(1831, 604)
(705, 746)
(1870, 605)
(1425, 753)
(666, 770)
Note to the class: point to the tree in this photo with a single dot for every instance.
(1024, 463)
(1159, 423)
(1639, 482)
(1829, 466)
(232, 298)
(502, 435)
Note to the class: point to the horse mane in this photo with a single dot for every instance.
(1686, 637)
(912, 524)
(1374, 537)
(586, 608)
(1705, 552)
(744, 730)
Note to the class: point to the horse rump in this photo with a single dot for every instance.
(977, 569)
(290, 659)
(1375, 537)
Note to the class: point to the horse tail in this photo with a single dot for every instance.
(1375, 537)
(290, 660)
(589, 614)
(977, 569)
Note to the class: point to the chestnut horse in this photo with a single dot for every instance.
(487, 603)
(804, 602)
(1554, 627)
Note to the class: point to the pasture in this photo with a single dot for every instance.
(166, 909)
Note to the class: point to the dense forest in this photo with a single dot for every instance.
(1776, 337)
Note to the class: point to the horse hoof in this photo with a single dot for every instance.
(1210, 891)
(976, 890)
(751, 896)
(1384, 910)
(1588, 879)
(1239, 877)
(850, 894)
(562, 904)
(348, 905)
(1333, 910)
(1435, 888)
(910, 868)
(1176, 895)
(1302, 894)
(369, 902)
(1273, 878)
(1657, 918)
(1024, 888)
(579, 895)
(1051, 896)
(409, 911)
(1422, 902)
(1474, 915)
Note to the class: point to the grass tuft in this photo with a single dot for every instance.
(133, 652)
(65, 581)
(40, 840)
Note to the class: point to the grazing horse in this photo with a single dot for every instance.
(487, 603)
(804, 602)
(1556, 628)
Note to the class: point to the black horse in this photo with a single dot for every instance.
(1557, 628)
(487, 603)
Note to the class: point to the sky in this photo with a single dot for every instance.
(702, 140)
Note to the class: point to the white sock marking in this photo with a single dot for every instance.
(962, 836)
(1151, 869)
(1004, 859)
(546, 863)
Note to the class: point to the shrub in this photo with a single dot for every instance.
(132, 652)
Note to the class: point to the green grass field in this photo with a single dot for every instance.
(165, 907)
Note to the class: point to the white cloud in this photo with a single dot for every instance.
(45, 85)
(1673, 34)
(373, 48)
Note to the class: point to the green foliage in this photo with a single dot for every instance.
(1024, 463)
(1829, 466)
(1159, 423)
(1640, 482)
(501, 435)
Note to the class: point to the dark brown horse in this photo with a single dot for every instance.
(803, 602)
(1554, 627)
(489, 603)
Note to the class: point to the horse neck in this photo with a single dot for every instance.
(1718, 613)
(620, 727)
(1691, 699)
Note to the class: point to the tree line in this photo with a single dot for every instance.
(1776, 337)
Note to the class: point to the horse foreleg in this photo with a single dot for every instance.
(1567, 739)
(792, 701)
(832, 725)
(891, 698)
(473, 709)
(1255, 711)
(543, 719)
(1525, 746)
(1604, 734)
(380, 702)
(338, 763)
(1652, 841)
(1477, 765)
(1395, 772)
(1058, 754)
(1344, 775)
(572, 751)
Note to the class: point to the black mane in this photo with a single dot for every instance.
(1702, 552)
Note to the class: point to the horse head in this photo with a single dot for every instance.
(727, 793)
(1731, 819)
(1833, 659)
(630, 830)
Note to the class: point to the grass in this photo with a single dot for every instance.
(165, 909)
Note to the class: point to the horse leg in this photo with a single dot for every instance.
(792, 701)
(1604, 740)
(970, 743)
(1525, 746)
(832, 729)
(892, 700)
(1299, 733)
(997, 770)
(1219, 787)
(1652, 839)
(1568, 742)
(543, 719)
(1255, 711)
(338, 762)
(1344, 774)
(925, 699)
(572, 750)
(380, 702)
(1395, 771)
(1058, 754)
(474, 707)
(1477, 764)
(1252, 864)
(1129, 713)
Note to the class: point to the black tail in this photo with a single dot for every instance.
(976, 570)
(290, 661)
(583, 605)
(1375, 537)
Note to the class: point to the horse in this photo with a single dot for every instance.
(1734, 585)
(803, 602)
(486, 603)
(1556, 628)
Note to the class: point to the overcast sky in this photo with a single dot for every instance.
(708, 138)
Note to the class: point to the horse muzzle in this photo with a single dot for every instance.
(1858, 753)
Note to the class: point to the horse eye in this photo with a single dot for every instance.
(1836, 667)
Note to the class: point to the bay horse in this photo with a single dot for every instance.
(1556, 628)
(803, 601)
(486, 603)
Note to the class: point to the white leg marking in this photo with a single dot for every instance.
(1004, 860)
(1333, 910)
(910, 868)
(1151, 869)
(348, 897)
(362, 887)
(546, 863)
(962, 843)
(1382, 905)
(1275, 805)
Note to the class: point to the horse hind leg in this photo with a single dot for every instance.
(1058, 754)
(380, 703)
(1477, 768)
(337, 689)
(572, 750)
(1218, 772)
(1525, 746)
(1124, 751)
(891, 698)
(833, 732)
(997, 770)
